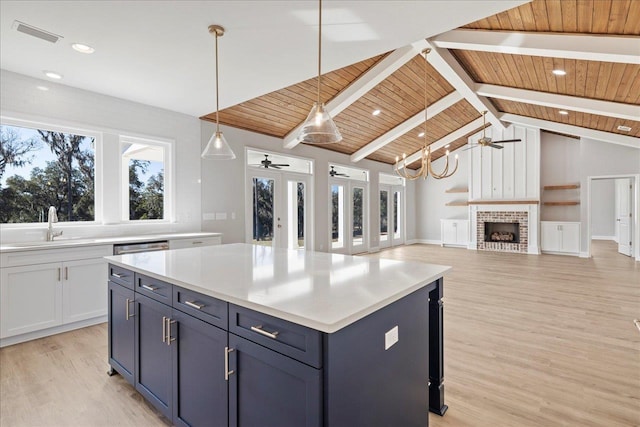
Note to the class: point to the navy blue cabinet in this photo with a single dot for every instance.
(199, 388)
(267, 388)
(121, 331)
(153, 354)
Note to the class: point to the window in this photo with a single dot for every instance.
(42, 166)
(144, 178)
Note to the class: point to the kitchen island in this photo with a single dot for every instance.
(252, 335)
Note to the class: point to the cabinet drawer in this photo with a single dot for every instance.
(296, 341)
(204, 307)
(121, 276)
(154, 288)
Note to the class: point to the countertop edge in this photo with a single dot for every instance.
(99, 241)
(322, 327)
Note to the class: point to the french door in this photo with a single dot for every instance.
(391, 216)
(348, 216)
(278, 209)
(623, 197)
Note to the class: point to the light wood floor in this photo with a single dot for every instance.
(529, 341)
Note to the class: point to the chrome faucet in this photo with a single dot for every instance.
(53, 217)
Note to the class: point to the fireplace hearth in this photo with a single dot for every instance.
(507, 232)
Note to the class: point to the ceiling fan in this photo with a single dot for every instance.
(268, 164)
(485, 141)
(334, 172)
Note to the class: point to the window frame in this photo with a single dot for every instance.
(168, 147)
(98, 165)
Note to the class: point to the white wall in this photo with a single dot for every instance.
(559, 165)
(603, 212)
(223, 186)
(64, 105)
(431, 199)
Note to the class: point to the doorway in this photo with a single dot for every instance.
(391, 202)
(348, 210)
(612, 213)
(278, 203)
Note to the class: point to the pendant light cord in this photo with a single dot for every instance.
(217, 91)
(319, 47)
(426, 52)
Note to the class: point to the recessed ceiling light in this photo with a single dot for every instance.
(563, 112)
(559, 72)
(82, 48)
(52, 75)
(624, 128)
(421, 134)
(42, 88)
(376, 112)
(447, 146)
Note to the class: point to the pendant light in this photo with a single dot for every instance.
(319, 128)
(217, 148)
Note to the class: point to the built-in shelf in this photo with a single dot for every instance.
(562, 187)
(457, 190)
(503, 202)
(562, 203)
(458, 203)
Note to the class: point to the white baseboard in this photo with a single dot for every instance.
(603, 238)
(374, 249)
(584, 255)
(428, 242)
(411, 241)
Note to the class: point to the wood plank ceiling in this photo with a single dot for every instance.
(400, 96)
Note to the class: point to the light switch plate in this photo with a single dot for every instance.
(390, 337)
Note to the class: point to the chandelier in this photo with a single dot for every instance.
(425, 155)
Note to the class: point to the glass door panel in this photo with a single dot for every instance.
(398, 218)
(357, 219)
(384, 219)
(296, 214)
(263, 211)
(337, 217)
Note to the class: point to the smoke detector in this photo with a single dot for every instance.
(36, 32)
(624, 128)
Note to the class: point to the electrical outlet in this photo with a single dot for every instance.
(390, 337)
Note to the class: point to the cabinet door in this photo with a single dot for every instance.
(121, 330)
(31, 298)
(571, 238)
(269, 389)
(84, 293)
(550, 236)
(462, 232)
(449, 232)
(200, 395)
(153, 366)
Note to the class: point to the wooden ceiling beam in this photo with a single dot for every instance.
(554, 100)
(444, 62)
(573, 46)
(464, 130)
(363, 84)
(404, 127)
(597, 135)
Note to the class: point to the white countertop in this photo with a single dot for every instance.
(62, 242)
(322, 291)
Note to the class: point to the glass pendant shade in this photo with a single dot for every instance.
(218, 149)
(319, 128)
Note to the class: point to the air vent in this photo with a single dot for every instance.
(624, 128)
(36, 32)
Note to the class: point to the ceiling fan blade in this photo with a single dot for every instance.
(492, 145)
(471, 146)
(275, 166)
(279, 164)
(506, 140)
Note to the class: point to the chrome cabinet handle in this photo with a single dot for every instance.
(66, 273)
(194, 304)
(164, 329)
(119, 276)
(227, 372)
(196, 243)
(128, 314)
(169, 323)
(59, 273)
(150, 288)
(258, 329)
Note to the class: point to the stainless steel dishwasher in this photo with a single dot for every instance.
(132, 248)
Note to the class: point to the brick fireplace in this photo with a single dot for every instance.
(515, 226)
(517, 241)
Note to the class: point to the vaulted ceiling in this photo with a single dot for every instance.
(501, 64)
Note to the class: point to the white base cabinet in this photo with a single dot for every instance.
(454, 232)
(560, 237)
(39, 298)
